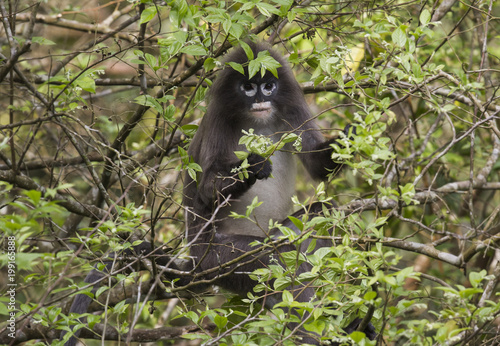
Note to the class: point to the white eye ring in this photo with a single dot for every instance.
(267, 89)
(250, 89)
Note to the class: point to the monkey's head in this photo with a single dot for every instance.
(262, 99)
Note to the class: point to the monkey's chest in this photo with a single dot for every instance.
(275, 194)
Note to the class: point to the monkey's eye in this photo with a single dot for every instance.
(267, 88)
(250, 89)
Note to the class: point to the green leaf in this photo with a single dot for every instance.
(399, 37)
(248, 50)
(189, 129)
(267, 9)
(149, 101)
(93, 319)
(236, 67)
(281, 283)
(357, 337)
(316, 326)
(169, 112)
(268, 63)
(192, 169)
(370, 295)
(237, 30)
(195, 336)
(42, 41)
(3, 309)
(425, 17)
(287, 297)
(86, 83)
(209, 64)
(475, 278)
(468, 293)
(194, 50)
(101, 290)
(253, 68)
(220, 321)
(148, 14)
(298, 223)
(226, 24)
(151, 60)
(182, 7)
(241, 155)
(26, 261)
(34, 196)
(448, 107)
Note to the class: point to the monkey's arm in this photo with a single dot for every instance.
(317, 153)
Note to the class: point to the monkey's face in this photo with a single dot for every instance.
(259, 95)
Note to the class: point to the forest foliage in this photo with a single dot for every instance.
(99, 101)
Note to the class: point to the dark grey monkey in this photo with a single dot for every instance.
(271, 106)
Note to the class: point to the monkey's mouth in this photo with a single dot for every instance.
(261, 110)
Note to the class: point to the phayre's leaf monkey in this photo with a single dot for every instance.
(271, 106)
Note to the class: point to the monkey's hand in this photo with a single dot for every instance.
(369, 331)
(319, 161)
(260, 168)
